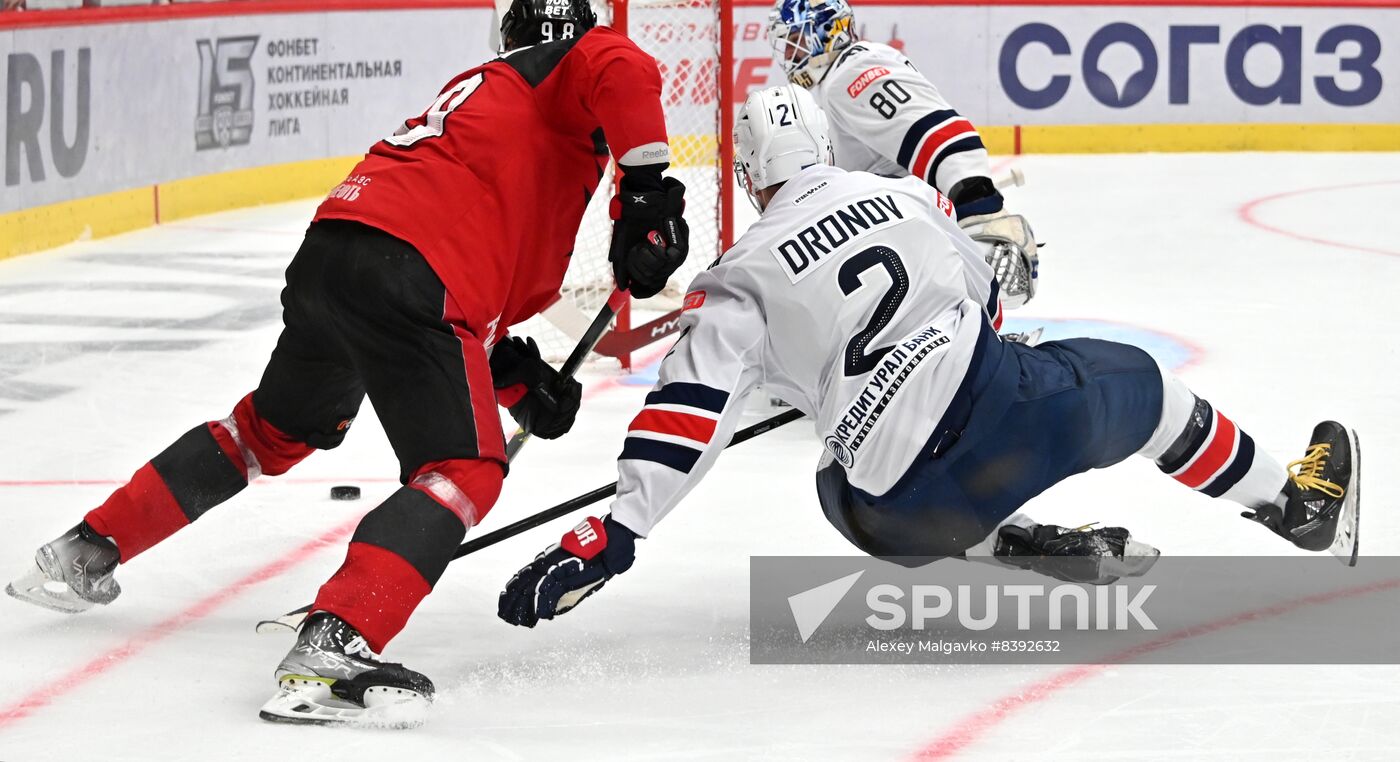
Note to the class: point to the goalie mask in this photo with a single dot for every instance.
(531, 22)
(779, 132)
(808, 36)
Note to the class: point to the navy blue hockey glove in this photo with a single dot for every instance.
(538, 397)
(565, 574)
(650, 237)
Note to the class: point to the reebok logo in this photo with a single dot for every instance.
(811, 607)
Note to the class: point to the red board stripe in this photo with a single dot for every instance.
(155, 13)
(956, 126)
(676, 424)
(1123, 3)
(1214, 456)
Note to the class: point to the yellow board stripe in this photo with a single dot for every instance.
(1174, 138)
(45, 227)
(249, 187)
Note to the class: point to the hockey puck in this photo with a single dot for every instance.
(345, 492)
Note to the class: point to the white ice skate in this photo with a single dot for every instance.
(71, 574)
(331, 677)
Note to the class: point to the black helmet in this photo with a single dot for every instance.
(531, 22)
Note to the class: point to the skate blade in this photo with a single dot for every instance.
(1347, 544)
(38, 588)
(1138, 558)
(310, 702)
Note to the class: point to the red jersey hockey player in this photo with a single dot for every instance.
(454, 228)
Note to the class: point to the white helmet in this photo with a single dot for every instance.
(779, 132)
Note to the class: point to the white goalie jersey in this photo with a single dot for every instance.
(855, 298)
(887, 118)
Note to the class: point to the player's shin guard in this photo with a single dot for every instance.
(1198, 446)
(208, 465)
(400, 549)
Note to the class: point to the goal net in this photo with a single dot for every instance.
(684, 38)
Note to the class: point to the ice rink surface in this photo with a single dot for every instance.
(1270, 280)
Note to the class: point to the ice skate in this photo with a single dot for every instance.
(332, 677)
(71, 574)
(1322, 509)
(1096, 556)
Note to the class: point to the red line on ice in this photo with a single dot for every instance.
(973, 727)
(42, 697)
(152, 635)
(1247, 213)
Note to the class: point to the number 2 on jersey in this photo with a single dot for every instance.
(858, 361)
(436, 118)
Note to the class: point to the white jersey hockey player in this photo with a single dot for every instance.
(886, 117)
(860, 301)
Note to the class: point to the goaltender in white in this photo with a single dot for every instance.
(858, 299)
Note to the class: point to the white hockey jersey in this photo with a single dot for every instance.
(887, 118)
(855, 298)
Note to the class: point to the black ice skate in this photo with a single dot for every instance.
(1096, 556)
(71, 574)
(332, 677)
(1323, 509)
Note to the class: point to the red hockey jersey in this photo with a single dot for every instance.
(490, 184)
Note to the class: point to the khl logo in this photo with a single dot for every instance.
(225, 116)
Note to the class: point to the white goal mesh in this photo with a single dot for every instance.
(683, 36)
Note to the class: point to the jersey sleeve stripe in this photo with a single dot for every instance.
(675, 456)
(676, 424)
(690, 395)
(972, 142)
(935, 145)
(916, 134)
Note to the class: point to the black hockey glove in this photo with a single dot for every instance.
(650, 237)
(541, 400)
(566, 573)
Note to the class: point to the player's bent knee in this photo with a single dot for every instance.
(467, 487)
(264, 448)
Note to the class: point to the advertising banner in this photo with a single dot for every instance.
(98, 108)
(1114, 64)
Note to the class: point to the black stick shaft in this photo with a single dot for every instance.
(589, 498)
(602, 493)
(590, 339)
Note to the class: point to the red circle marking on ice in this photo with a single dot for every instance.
(973, 727)
(1247, 214)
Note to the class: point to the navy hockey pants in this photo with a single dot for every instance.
(1025, 419)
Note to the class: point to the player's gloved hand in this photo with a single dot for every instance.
(650, 237)
(1010, 249)
(1008, 242)
(564, 574)
(538, 397)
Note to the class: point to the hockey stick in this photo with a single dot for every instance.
(590, 340)
(291, 620)
(622, 343)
